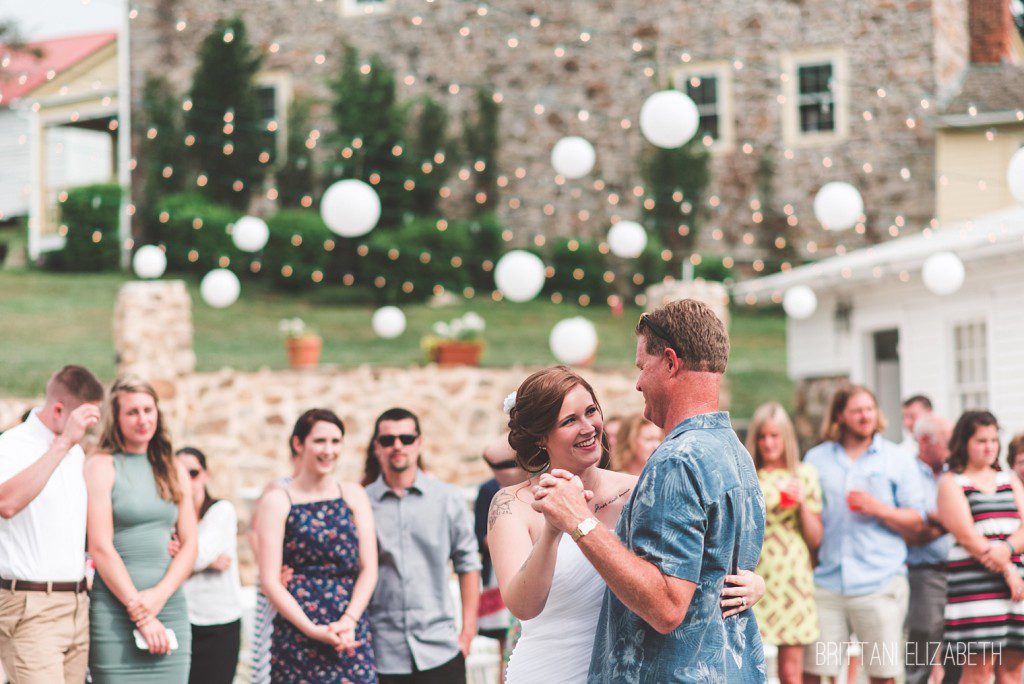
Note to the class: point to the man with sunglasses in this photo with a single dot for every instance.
(422, 525)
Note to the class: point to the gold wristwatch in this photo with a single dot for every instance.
(585, 527)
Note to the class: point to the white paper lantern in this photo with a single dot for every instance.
(669, 119)
(519, 275)
(573, 340)
(627, 239)
(388, 322)
(220, 288)
(573, 157)
(149, 262)
(350, 208)
(943, 273)
(250, 234)
(1015, 175)
(799, 302)
(838, 206)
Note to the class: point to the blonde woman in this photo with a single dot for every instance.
(138, 496)
(636, 441)
(787, 614)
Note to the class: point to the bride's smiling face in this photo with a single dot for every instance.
(575, 441)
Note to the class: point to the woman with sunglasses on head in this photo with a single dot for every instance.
(324, 531)
(214, 591)
(556, 423)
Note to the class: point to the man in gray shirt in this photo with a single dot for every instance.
(422, 524)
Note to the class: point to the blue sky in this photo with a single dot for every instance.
(50, 18)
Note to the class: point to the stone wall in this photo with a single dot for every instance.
(585, 68)
(813, 397)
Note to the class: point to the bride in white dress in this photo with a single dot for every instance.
(545, 580)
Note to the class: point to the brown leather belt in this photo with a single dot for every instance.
(21, 585)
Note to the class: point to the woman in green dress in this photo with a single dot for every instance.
(787, 615)
(137, 499)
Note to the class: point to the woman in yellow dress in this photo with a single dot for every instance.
(787, 614)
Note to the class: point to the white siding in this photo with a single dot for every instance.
(14, 164)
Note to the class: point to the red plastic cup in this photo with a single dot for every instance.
(851, 501)
(786, 500)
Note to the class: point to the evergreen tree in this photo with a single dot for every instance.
(162, 148)
(225, 118)
(369, 133)
(776, 238)
(676, 180)
(481, 139)
(431, 157)
(296, 176)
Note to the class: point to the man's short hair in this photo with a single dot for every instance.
(76, 382)
(690, 328)
(930, 425)
(918, 399)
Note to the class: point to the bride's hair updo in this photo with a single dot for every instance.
(535, 414)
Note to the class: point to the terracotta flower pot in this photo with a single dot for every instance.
(304, 352)
(457, 353)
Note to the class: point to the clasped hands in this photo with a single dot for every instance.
(142, 610)
(340, 634)
(561, 497)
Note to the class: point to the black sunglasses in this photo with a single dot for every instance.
(646, 320)
(193, 474)
(389, 440)
(503, 465)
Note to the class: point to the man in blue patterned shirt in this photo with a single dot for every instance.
(696, 517)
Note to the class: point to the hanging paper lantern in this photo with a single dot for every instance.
(220, 288)
(250, 234)
(573, 340)
(799, 302)
(388, 322)
(149, 262)
(1015, 175)
(943, 273)
(669, 119)
(627, 239)
(519, 275)
(350, 208)
(573, 157)
(838, 206)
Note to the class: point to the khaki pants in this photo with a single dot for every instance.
(877, 620)
(44, 638)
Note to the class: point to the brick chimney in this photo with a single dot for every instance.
(990, 24)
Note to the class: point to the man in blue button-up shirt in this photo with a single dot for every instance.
(926, 557)
(872, 496)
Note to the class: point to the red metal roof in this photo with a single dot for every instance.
(25, 72)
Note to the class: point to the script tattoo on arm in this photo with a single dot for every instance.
(618, 496)
(500, 505)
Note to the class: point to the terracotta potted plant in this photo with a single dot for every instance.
(456, 343)
(303, 345)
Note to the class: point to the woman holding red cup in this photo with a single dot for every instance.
(787, 614)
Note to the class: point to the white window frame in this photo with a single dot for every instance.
(355, 8)
(281, 81)
(791, 63)
(722, 72)
(981, 384)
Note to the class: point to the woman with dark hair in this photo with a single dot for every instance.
(981, 506)
(213, 592)
(137, 497)
(323, 530)
(556, 423)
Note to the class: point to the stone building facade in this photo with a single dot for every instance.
(821, 90)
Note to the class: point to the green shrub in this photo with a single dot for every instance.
(579, 269)
(300, 246)
(195, 232)
(91, 216)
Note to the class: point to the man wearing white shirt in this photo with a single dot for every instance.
(44, 609)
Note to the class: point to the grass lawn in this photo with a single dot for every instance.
(50, 319)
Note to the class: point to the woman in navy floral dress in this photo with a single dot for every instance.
(324, 532)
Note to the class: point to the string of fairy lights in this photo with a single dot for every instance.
(651, 57)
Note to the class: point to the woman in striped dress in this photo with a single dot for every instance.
(981, 504)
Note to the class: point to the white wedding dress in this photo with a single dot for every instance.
(556, 645)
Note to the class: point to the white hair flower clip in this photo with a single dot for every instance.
(509, 403)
